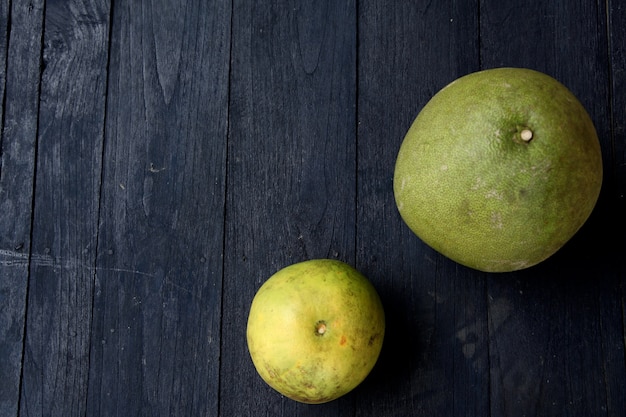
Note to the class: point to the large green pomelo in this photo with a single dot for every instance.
(499, 169)
(315, 330)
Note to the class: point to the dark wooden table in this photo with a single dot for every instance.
(161, 159)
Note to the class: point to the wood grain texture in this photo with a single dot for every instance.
(616, 172)
(544, 322)
(66, 205)
(617, 54)
(17, 177)
(435, 360)
(292, 168)
(4, 40)
(616, 198)
(160, 159)
(155, 345)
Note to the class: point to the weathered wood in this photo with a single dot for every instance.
(66, 205)
(617, 58)
(615, 367)
(435, 359)
(617, 54)
(160, 159)
(17, 172)
(155, 344)
(4, 39)
(292, 169)
(556, 330)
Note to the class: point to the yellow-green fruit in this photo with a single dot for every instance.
(315, 330)
(499, 169)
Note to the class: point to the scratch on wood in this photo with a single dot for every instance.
(178, 286)
(13, 259)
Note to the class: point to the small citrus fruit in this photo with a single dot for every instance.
(499, 169)
(315, 330)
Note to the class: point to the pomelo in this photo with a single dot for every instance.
(499, 169)
(315, 330)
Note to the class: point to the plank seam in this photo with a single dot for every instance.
(225, 208)
(100, 195)
(32, 205)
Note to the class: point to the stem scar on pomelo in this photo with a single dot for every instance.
(499, 169)
(315, 330)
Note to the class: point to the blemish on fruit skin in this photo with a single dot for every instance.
(478, 183)
(343, 340)
(496, 220)
(493, 194)
(270, 371)
(402, 184)
(372, 339)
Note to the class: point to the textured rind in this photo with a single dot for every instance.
(284, 348)
(467, 185)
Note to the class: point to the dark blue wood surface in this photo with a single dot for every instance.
(159, 160)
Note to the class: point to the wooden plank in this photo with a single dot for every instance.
(124, 303)
(4, 40)
(616, 374)
(556, 331)
(65, 221)
(617, 51)
(291, 169)
(20, 94)
(435, 357)
(155, 343)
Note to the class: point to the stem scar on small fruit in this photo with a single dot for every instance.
(320, 328)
